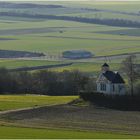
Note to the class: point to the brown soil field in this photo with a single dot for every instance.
(77, 117)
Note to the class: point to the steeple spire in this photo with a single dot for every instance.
(105, 67)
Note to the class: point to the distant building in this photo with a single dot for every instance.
(77, 54)
(110, 82)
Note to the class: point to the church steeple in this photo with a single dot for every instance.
(105, 67)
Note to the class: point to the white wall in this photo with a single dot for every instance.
(118, 89)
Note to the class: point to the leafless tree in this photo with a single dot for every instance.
(129, 66)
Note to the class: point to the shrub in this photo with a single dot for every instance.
(121, 102)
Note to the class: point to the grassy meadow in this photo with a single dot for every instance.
(10, 102)
(55, 118)
(34, 133)
(99, 39)
(12, 63)
(87, 67)
(44, 35)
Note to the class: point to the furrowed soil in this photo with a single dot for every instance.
(90, 118)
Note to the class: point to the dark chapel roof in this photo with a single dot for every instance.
(114, 77)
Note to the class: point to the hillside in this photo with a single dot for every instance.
(87, 119)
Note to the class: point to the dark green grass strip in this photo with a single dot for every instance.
(15, 132)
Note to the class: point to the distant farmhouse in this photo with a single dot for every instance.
(110, 82)
(77, 54)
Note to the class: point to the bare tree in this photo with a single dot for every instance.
(129, 67)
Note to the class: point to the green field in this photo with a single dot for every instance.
(92, 68)
(39, 35)
(127, 6)
(25, 63)
(10, 102)
(55, 43)
(57, 119)
(81, 37)
(33, 133)
(89, 67)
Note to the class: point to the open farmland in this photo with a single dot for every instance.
(10, 102)
(45, 36)
(109, 30)
(10, 64)
(91, 68)
(35, 133)
(53, 36)
(69, 121)
(94, 38)
(22, 117)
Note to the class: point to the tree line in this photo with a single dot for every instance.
(27, 5)
(132, 72)
(109, 22)
(42, 82)
(63, 83)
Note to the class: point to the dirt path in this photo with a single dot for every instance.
(16, 110)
